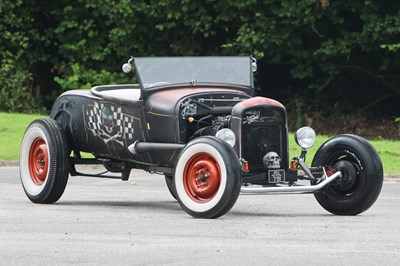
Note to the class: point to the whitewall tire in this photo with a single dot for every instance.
(44, 161)
(207, 177)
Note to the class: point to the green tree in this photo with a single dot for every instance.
(344, 52)
(16, 85)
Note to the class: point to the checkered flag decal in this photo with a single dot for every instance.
(94, 119)
(124, 122)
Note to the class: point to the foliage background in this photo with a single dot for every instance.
(328, 61)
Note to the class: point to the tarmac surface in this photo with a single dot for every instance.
(105, 221)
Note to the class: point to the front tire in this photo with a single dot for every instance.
(207, 178)
(362, 175)
(44, 161)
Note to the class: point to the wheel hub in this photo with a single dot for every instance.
(349, 175)
(202, 177)
(38, 161)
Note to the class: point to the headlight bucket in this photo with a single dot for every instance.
(227, 135)
(305, 137)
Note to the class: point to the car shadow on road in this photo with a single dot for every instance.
(162, 205)
(174, 206)
(239, 213)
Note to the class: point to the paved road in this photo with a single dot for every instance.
(102, 221)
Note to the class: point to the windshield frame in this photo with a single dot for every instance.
(210, 77)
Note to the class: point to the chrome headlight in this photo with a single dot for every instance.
(305, 137)
(227, 135)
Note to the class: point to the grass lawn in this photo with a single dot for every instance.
(12, 128)
(388, 150)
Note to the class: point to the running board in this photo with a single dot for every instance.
(289, 190)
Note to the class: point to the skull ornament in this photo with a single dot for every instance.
(272, 160)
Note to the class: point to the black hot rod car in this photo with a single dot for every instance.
(194, 120)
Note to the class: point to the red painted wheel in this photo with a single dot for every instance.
(38, 161)
(207, 177)
(202, 177)
(44, 161)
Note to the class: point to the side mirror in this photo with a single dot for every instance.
(128, 67)
(253, 64)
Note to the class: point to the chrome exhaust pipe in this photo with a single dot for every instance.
(289, 190)
(139, 147)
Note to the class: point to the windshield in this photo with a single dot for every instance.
(159, 71)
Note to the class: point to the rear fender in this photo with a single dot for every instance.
(66, 123)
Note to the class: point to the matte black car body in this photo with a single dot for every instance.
(162, 115)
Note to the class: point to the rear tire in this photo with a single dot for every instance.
(169, 180)
(44, 161)
(362, 179)
(207, 177)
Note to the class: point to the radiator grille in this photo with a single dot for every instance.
(261, 133)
